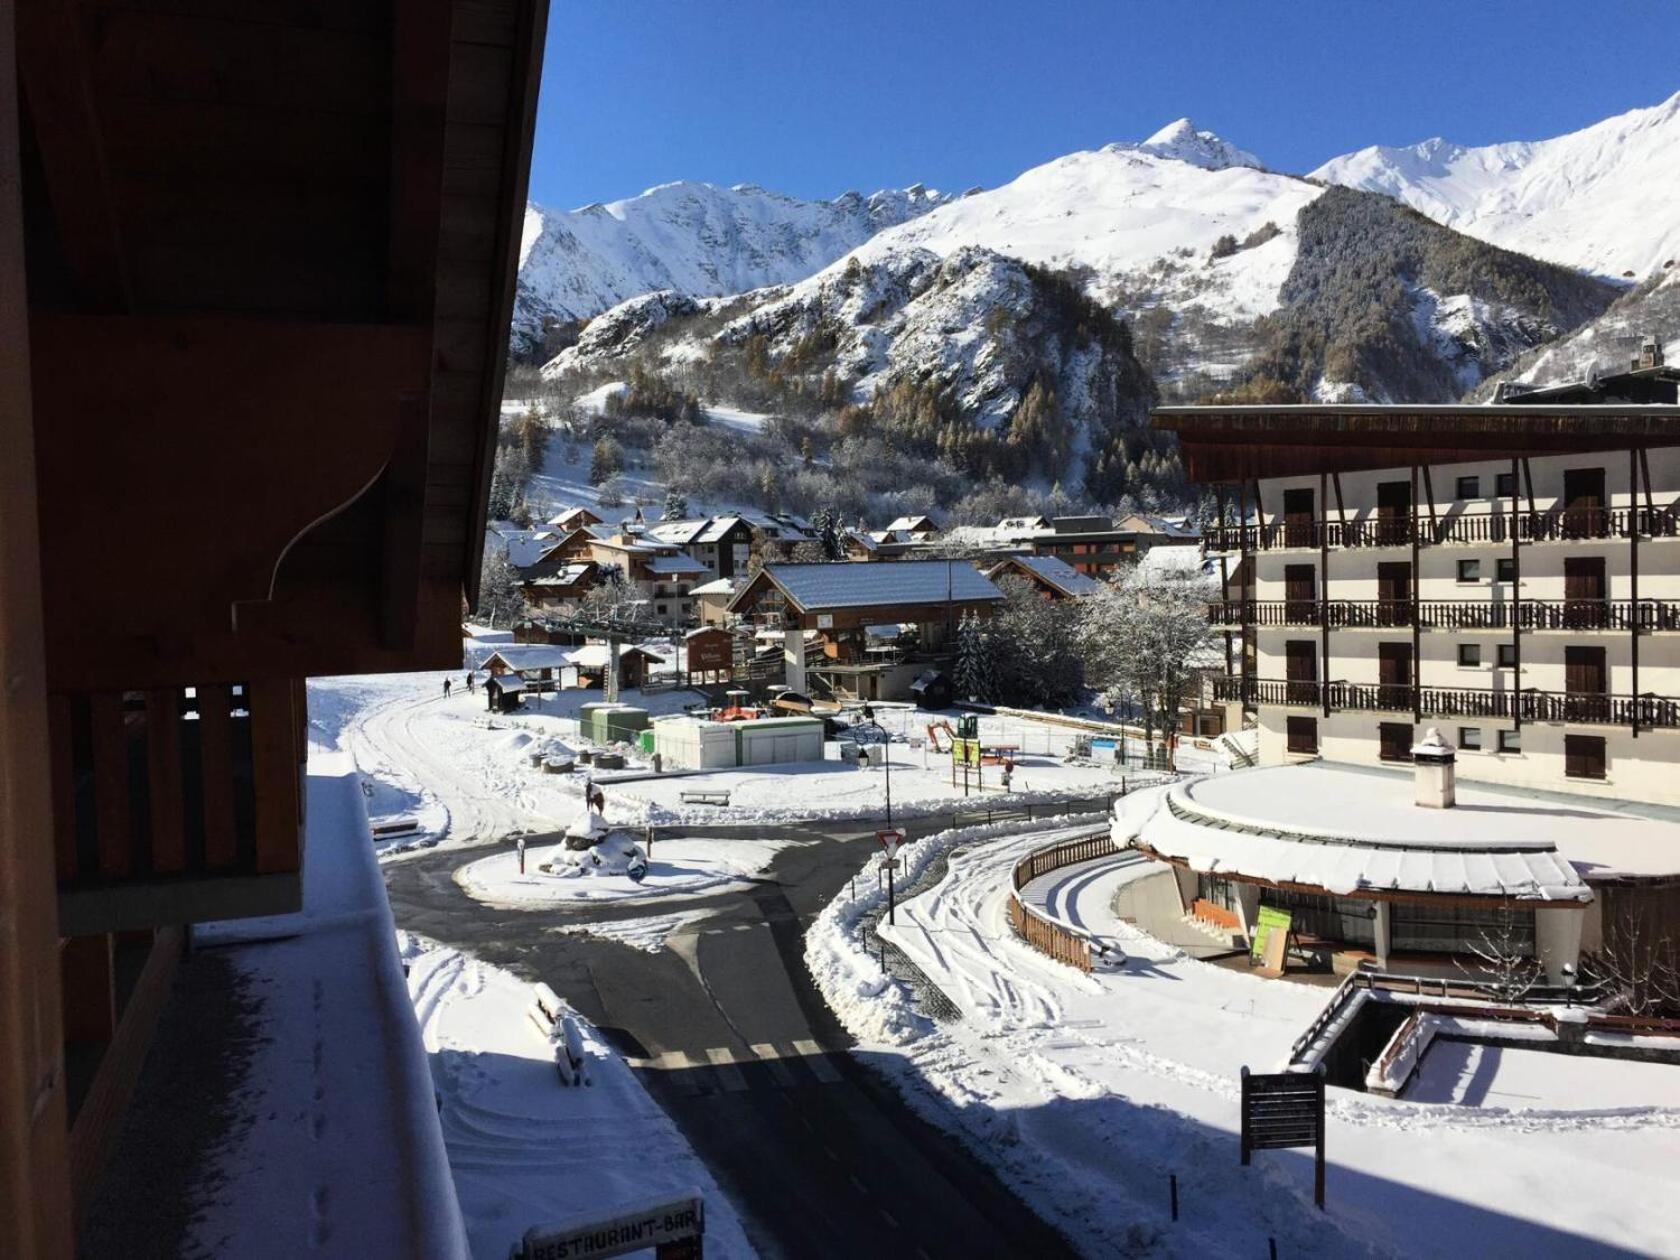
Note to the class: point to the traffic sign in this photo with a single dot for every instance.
(890, 838)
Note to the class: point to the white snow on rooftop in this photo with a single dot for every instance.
(1346, 829)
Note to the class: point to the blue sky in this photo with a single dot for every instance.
(816, 98)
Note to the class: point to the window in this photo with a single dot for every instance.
(1303, 734)
(1469, 570)
(1394, 741)
(1583, 756)
(1469, 487)
(1507, 656)
(1505, 485)
(1505, 569)
(1510, 741)
(1470, 738)
(1469, 655)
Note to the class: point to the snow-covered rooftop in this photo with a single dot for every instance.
(1055, 571)
(859, 585)
(1349, 829)
(719, 586)
(674, 565)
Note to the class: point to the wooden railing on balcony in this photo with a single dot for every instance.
(175, 785)
(1555, 524)
(1648, 711)
(1645, 615)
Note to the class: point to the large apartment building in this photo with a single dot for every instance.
(1509, 574)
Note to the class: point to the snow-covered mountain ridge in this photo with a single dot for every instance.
(1600, 199)
(696, 238)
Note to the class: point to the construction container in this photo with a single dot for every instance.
(620, 724)
(777, 741)
(694, 745)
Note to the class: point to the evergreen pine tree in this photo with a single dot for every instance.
(676, 505)
(605, 461)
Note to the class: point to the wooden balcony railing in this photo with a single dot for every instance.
(160, 795)
(1645, 615)
(1555, 524)
(1648, 711)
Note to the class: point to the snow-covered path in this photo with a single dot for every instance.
(525, 1150)
(1088, 1091)
(408, 740)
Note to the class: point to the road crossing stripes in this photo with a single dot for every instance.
(719, 1069)
(818, 1062)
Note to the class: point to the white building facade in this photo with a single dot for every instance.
(1528, 607)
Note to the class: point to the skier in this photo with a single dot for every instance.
(446, 688)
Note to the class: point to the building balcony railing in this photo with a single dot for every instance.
(177, 804)
(1644, 615)
(1490, 526)
(1591, 709)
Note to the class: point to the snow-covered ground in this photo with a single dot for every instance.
(1472, 1075)
(1087, 1092)
(524, 1149)
(464, 774)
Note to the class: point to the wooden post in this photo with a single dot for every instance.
(1324, 589)
(1318, 1148)
(1516, 600)
(1247, 1150)
(35, 1219)
(1417, 584)
(1633, 588)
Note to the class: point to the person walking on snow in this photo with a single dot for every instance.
(446, 688)
(472, 683)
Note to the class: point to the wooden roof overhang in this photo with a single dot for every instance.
(271, 254)
(1232, 444)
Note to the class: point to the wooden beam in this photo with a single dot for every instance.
(112, 810)
(35, 1207)
(201, 422)
(163, 762)
(215, 760)
(530, 32)
(420, 90)
(55, 67)
(405, 511)
(274, 775)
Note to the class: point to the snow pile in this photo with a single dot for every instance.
(687, 867)
(612, 853)
(875, 1008)
(524, 1150)
(1597, 199)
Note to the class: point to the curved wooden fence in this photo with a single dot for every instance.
(1046, 935)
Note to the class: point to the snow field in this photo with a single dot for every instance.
(1088, 1091)
(524, 1149)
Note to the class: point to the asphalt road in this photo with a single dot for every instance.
(730, 1035)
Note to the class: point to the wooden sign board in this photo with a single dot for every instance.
(1284, 1110)
(674, 1228)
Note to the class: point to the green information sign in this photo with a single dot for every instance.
(1271, 920)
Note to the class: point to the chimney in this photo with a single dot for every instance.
(1433, 759)
(1650, 354)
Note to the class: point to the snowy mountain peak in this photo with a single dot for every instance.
(1182, 141)
(1595, 199)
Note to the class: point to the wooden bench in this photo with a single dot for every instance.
(704, 796)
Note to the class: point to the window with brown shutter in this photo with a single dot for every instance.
(1583, 756)
(1303, 734)
(1394, 741)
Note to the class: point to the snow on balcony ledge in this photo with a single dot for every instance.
(343, 1149)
